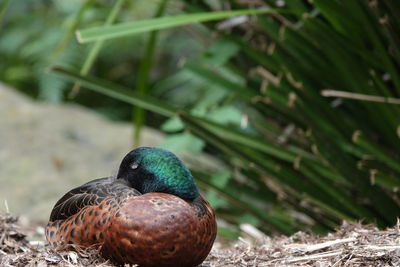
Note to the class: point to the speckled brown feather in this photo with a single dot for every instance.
(82, 215)
(158, 229)
(154, 229)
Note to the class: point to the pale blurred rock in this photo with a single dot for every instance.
(45, 150)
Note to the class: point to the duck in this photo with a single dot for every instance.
(150, 214)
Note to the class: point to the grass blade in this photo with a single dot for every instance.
(115, 91)
(94, 51)
(4, 5)
(70, 32)
(129, 28)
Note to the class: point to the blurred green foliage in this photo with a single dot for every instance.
(37, 34)
(246, 89)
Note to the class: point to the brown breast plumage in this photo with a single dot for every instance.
(153, 229)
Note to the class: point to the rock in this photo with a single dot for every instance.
(46, 150)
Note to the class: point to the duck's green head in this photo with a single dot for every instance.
(150, 169)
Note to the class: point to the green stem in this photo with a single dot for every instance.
(94, 51)
(143, 76)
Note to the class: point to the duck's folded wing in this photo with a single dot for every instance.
(89, 194)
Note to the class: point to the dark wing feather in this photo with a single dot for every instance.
(90, 194)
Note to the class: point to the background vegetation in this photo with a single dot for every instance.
(298, 99)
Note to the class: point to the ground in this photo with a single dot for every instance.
(351, 245)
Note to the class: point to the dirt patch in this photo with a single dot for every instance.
(351, 245)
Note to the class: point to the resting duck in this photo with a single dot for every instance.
(151, 214)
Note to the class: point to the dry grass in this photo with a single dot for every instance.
(352, 245)
(16, 250)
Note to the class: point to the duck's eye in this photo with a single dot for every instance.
(134, 165)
